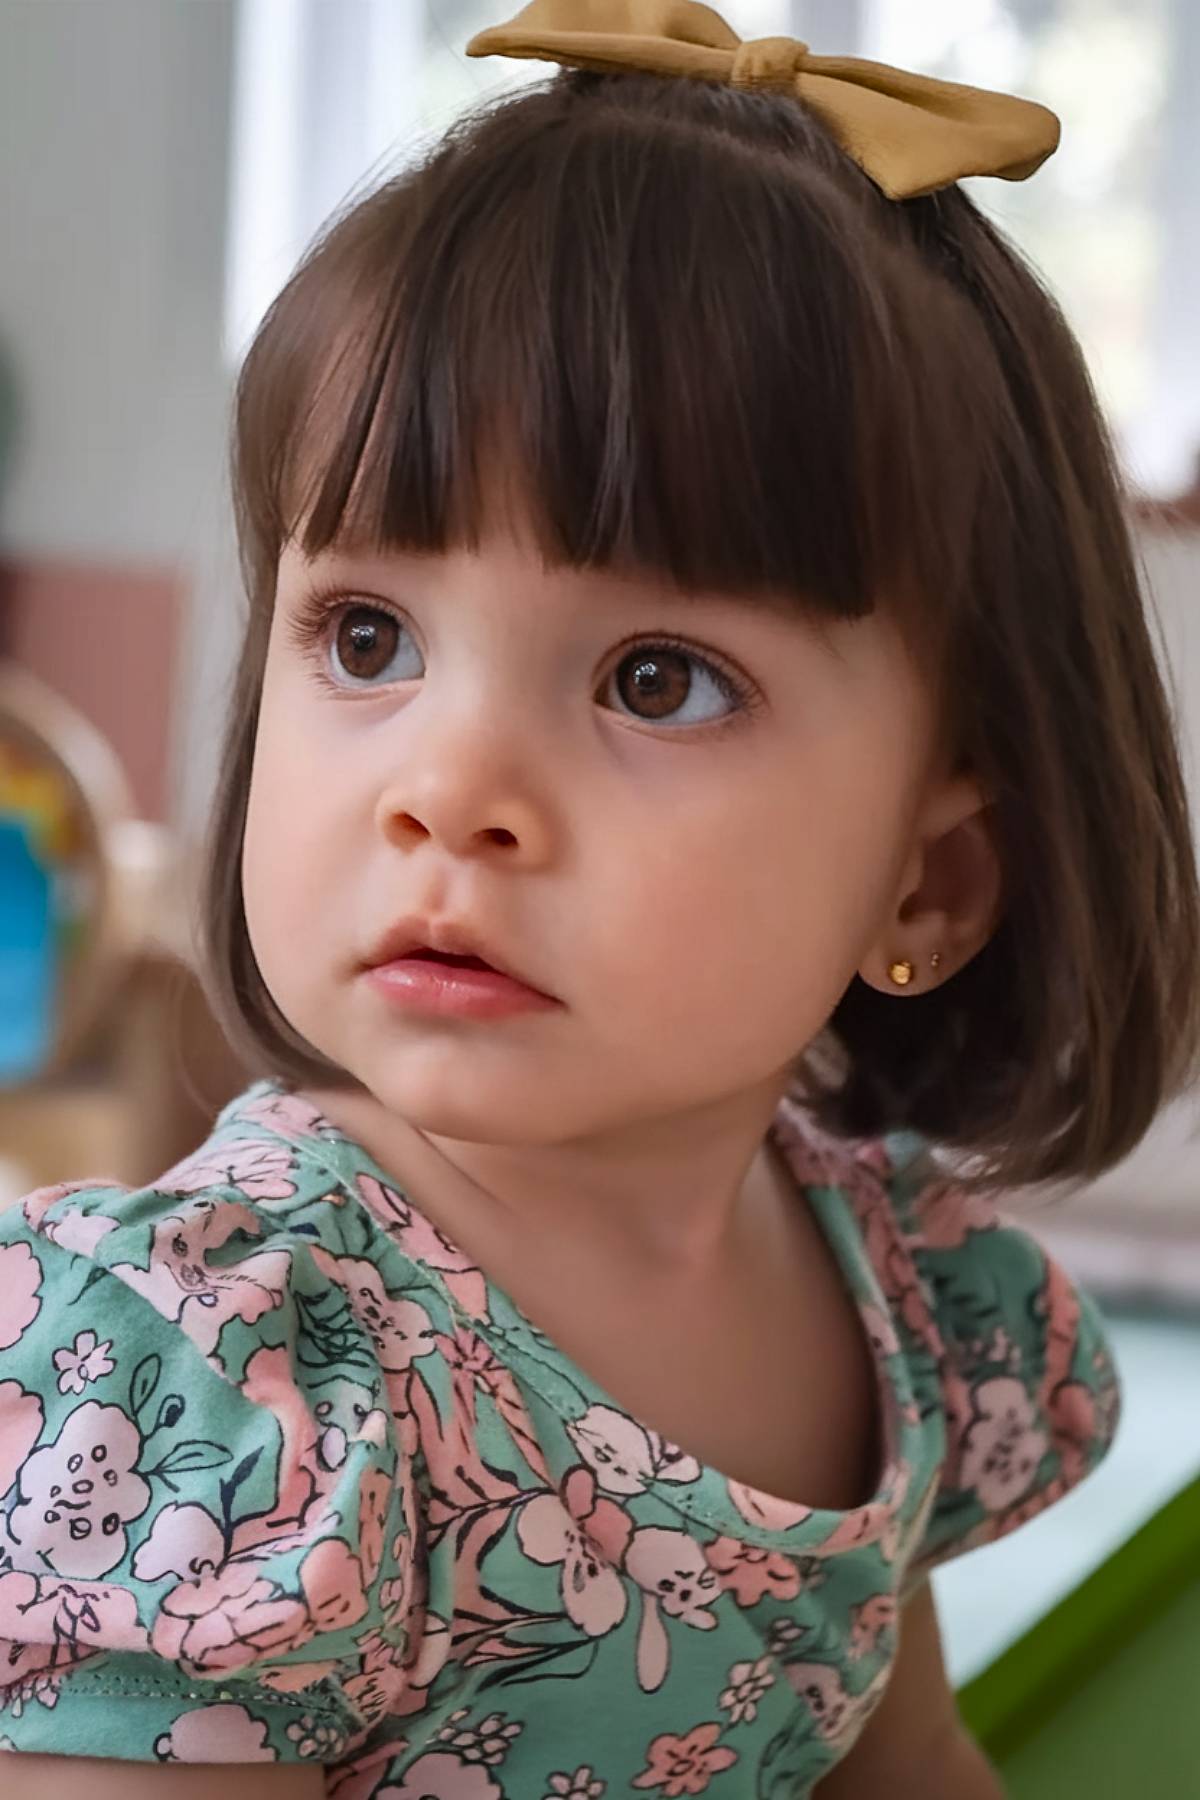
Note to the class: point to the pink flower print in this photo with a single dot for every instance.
(45, 1622)
(488, 1742)
(673, 1575)
(397, 1594)
(478, 1371)
(35, 1206)
(376, 1688)
(750, 1573)
(582, 1785)
(201, 1296)
(891, 1258)
(624, 1457)
(42, 1688)
(685, 1765)
(345, 1416)
(607, 1525)
(287, 1114)
(838, 1716)
(262, 1170)
(421, 1240)
(391, 1596)
(1058, 1305)
(80, 1231)
(439, 1776)
(785, 1634)
(316, 1740)
(20, 1281)
(615, 1448)
(673, 1567)
(949, 1214)
(765, 1510)
(868, 1524)
(374, 1504)
(996, 1348)
(1004, 1446)
(184, 1540)
(429, 1651)
(400, 1329)
(228, 1618)
(85, 1361)
(77, 1494)
(293, 1678)
(812, 1156)
(828, 1702)
(21, 1420)
(586, 1535)
(874, 1155)
(215, 1734)
(748, 1682)
(872, 1620)
(331, 1577)
(268, 1381)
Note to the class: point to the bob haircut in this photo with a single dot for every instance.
(708, 348)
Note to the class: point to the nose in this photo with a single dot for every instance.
(465, 793)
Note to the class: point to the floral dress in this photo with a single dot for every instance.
(285, 1478)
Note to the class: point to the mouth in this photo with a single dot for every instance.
(454, 946)
(456, 962)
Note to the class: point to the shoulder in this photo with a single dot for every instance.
(196, 1434)
(1012, 1358)
(1027, 1380)
(255, 1222)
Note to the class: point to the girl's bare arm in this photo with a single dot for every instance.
(50, 1777)
(915, 1747)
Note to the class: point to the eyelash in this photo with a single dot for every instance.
(317, 611)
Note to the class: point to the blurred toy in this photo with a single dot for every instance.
(64, 808)
(98, 991)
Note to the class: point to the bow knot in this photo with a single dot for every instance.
(772, 62)
(911, 134)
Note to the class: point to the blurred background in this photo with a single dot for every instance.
(163, 163)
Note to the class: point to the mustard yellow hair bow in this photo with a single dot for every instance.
(910, 133)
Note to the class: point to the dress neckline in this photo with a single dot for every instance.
(719, 1501)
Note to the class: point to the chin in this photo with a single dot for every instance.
(453, 1102)
(437, 1095)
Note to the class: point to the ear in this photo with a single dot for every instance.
(949, 898)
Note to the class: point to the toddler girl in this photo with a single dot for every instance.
(696, 745)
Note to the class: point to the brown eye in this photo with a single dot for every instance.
(366, 644)
(668, 681)
(656, 681)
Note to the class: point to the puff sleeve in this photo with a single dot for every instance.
(1020, 1365)
(200, 1520)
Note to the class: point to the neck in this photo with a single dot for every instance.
(672, 1191)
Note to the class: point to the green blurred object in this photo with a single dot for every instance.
(1101, 1698)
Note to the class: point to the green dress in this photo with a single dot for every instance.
(284, 1477)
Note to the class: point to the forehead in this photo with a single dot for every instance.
(507, 562)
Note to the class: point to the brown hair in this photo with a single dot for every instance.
(711, 349)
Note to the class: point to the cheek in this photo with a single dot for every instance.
(289, 857)
(758, 908)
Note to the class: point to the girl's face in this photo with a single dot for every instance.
(692, 844)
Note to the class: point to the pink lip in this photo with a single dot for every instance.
(447, 990)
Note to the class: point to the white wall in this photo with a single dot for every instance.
(114, 130)
(1161, 1180)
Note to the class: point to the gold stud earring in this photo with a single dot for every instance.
(901, 972)
(935, 960)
